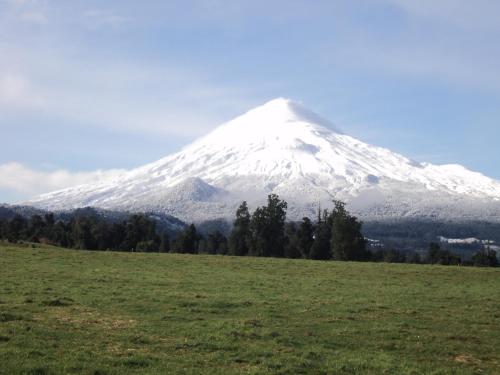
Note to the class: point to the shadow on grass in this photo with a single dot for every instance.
(58, 302)
(7, 317)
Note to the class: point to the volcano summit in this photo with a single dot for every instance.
(282, 147)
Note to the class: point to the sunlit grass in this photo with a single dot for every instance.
(64, 311)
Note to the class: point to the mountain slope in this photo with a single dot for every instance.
(282, 147)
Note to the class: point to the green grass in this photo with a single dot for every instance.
(64, 311)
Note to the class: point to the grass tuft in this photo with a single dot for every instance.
(136, 363)
(37, 371)
(7, 317)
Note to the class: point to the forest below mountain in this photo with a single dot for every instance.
(334, 234)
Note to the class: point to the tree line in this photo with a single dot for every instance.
(334, 235)
(137, 233)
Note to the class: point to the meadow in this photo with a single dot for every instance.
(81, 312)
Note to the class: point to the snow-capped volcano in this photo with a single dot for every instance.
(284, 148)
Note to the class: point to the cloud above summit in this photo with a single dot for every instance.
(18, 180)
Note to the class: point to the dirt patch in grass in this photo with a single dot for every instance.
(84, 317)
(466, 359)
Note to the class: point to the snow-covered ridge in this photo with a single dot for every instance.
(284, 148)
(484, 244)
(466, 241)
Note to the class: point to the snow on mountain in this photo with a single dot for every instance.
(484, 244)
(284, 148)
(465, 241)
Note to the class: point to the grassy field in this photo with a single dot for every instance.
(64, 311)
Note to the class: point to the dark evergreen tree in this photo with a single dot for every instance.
(81, 234)
(258, 234)
(436, 255)
(321, 249)
(276, 212)
(147, 246)
(485, 258)
(433, 253)
(240, 235)
(393, 256)
(187, 241)
(49, 227)
(292, 244)
(16, 229)
(305, 237)
(2, 229)
(447, 258)
(413, 257)
(118, 234)
(36, 228)
(102, 236)
(224, 248)
(49, 219)
(216, 243)
(60, 235)
(347, 241)
(202, 245)
(164, 243)
(267, 228)
(138, 229)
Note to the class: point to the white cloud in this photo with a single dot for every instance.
(23, 180)
(17, 91)
(137, 98)
(96, 18)
(28, 11)
(127, 95)
(36, 18)
(450, 41)
(441, 63)
(478, 15)
(17, 2)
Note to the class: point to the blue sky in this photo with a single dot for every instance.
(91, 87)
